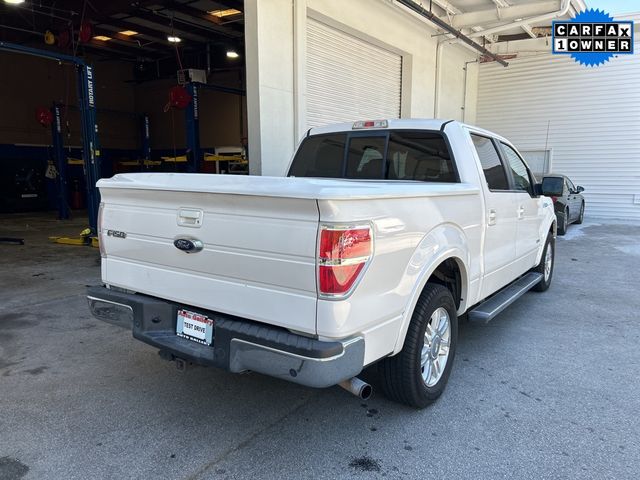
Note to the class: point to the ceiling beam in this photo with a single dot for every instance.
(528, 31)
(202, 26)
(498, 13)
(129, 41)
(109, 47)
(153, 34)
(438, 22)
(162, 23)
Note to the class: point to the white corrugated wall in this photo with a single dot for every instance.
(593, 115)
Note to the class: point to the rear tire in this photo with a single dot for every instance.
(563, 222)
(545, 267)
(581, 217)
(417, 375)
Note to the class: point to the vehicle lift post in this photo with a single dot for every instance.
(146, 141)
(195, 155)
(194, 152)
(60, 162)
(90, 145)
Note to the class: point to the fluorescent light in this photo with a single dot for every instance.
(224, 13)
(14, 2)
(174, 39)
(232, 54)
(103, 38)
(129, 33)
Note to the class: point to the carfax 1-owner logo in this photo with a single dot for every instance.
(592, 37)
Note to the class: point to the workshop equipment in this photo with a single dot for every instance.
(87, 104)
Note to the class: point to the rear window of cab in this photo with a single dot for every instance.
(382, 155)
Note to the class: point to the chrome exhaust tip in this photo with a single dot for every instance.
(357, 387)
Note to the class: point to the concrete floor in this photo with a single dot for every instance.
(549, 389)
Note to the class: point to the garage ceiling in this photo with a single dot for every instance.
(502, 20)
(125, 29)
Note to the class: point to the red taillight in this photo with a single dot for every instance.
(342, 255)
(554, 199)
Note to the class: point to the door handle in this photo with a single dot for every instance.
(520, 212)
(190, 218)
(492, 217)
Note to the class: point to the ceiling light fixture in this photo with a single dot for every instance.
(14, 2)
(174, 39)
(129, 33)
(224, 13)
(102, 38)
(232, 54)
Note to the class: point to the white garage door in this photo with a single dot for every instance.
(348, 78)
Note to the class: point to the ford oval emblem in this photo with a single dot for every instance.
(188, 245)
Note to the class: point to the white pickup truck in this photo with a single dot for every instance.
(372, 244)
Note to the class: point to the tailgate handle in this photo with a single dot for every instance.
(190, 218)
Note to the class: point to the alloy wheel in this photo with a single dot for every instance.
(548, 262)
(437, 343)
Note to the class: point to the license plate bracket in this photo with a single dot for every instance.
(194, 326)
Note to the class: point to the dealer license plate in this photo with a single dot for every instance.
(194, 326)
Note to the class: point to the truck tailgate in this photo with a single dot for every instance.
(257, 262)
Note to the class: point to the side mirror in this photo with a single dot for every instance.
(552, 186)
(579, 189)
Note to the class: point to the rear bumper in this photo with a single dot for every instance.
(239, 345)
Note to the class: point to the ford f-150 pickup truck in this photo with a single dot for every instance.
(376, 239)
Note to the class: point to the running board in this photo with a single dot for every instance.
(488, 309)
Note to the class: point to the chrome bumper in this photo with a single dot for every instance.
(312, 372)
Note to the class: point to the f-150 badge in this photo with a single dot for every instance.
(116, 233)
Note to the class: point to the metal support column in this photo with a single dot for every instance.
(146, 142)
(90, 145)
(194, 153)
(61, 164)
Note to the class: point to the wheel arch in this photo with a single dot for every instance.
(442, 257)
(549, 226)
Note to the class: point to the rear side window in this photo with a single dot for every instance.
(421, 156)
(494, 171)
(396, 155)
(320, 156)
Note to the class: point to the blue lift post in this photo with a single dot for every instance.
(90, 145)
(86, 100)
(60, 162)
(194, 153)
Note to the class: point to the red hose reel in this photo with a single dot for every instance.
(44, 116)
(179, 97)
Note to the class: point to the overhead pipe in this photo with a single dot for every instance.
(451, 30)
(436, 92)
